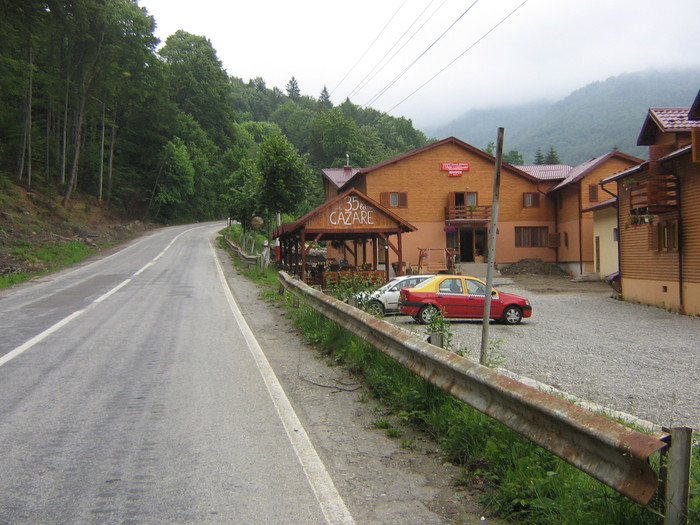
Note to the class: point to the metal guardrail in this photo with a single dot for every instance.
(250, 260)
(608, 451)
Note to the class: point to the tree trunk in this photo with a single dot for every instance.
(102, 156)
(113, 136)
(80, 117)
(27, 133)
(29, 116)
(64, 139)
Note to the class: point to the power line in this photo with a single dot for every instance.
(397, 77)
(369, 47)
(361, 84)
(459, 56)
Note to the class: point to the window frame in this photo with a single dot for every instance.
(531, 199)
(531, 236)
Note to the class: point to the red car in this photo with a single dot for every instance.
(462, 297)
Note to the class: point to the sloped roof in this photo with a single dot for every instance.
(644, 166)
(582, 170)
(665, 120)
(602, 205)
(339, 176)
(448, 140)
(547, 171)
(625, 173)
(400, 225)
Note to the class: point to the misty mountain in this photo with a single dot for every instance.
(589, 122)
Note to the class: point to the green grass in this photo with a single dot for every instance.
(529, 484)
(50, 257)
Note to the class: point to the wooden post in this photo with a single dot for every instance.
(677, 483)
(492, 250)
(303, 256)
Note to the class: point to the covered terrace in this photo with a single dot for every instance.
(352, 222)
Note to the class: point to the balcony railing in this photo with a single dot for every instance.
(656, 195)
(467, 213)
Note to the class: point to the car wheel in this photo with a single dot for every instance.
(426, 314)
(512, 315)
(375, 308)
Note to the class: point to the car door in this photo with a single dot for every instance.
(392, 296)
(476, 296)
(451, 297)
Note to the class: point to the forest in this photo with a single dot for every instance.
(92, 102)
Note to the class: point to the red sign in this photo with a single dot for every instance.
(455, 169)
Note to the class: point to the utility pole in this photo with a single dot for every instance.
(492, 250)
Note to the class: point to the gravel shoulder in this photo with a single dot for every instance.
(383, 480)
(627, 357)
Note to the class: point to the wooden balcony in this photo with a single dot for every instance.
(656, 195)
(467, 214)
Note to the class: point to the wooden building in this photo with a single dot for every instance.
(659, 213)
(362, 229)
(445, 190)
(573, 196)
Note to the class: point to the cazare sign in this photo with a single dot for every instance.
(352, 211)
(454, 169)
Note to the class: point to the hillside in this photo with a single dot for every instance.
(37, 234)
(589, 122)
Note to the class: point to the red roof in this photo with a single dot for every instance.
(339, 176)
(665, 120)
(547, 171)
(582, 170)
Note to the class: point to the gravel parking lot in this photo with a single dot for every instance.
(632, 358)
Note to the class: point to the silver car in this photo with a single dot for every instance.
(385, 300)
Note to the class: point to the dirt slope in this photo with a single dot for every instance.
(32, 217)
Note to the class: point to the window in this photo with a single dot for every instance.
(471, 199)
(616, 235)
(451, 286)
(531, 200)
(593, 193)
(531, 236)
(668, 236)
(394, 199)
(475, 288)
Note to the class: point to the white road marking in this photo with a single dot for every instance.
(113, 290)
(38, 338)
(63, 322)
(332, 504)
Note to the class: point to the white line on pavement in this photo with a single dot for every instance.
(332, 504)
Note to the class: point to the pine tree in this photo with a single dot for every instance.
(539, 156)
(552, 157)
(292, 88)
(325, 100)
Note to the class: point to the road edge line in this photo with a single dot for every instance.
(328, 497)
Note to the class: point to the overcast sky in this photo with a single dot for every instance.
(545, 49)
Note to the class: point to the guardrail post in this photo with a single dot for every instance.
(677, 476)
(435, 338)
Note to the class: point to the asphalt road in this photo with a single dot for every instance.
(131, 391)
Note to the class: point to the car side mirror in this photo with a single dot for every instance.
(494, 293)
